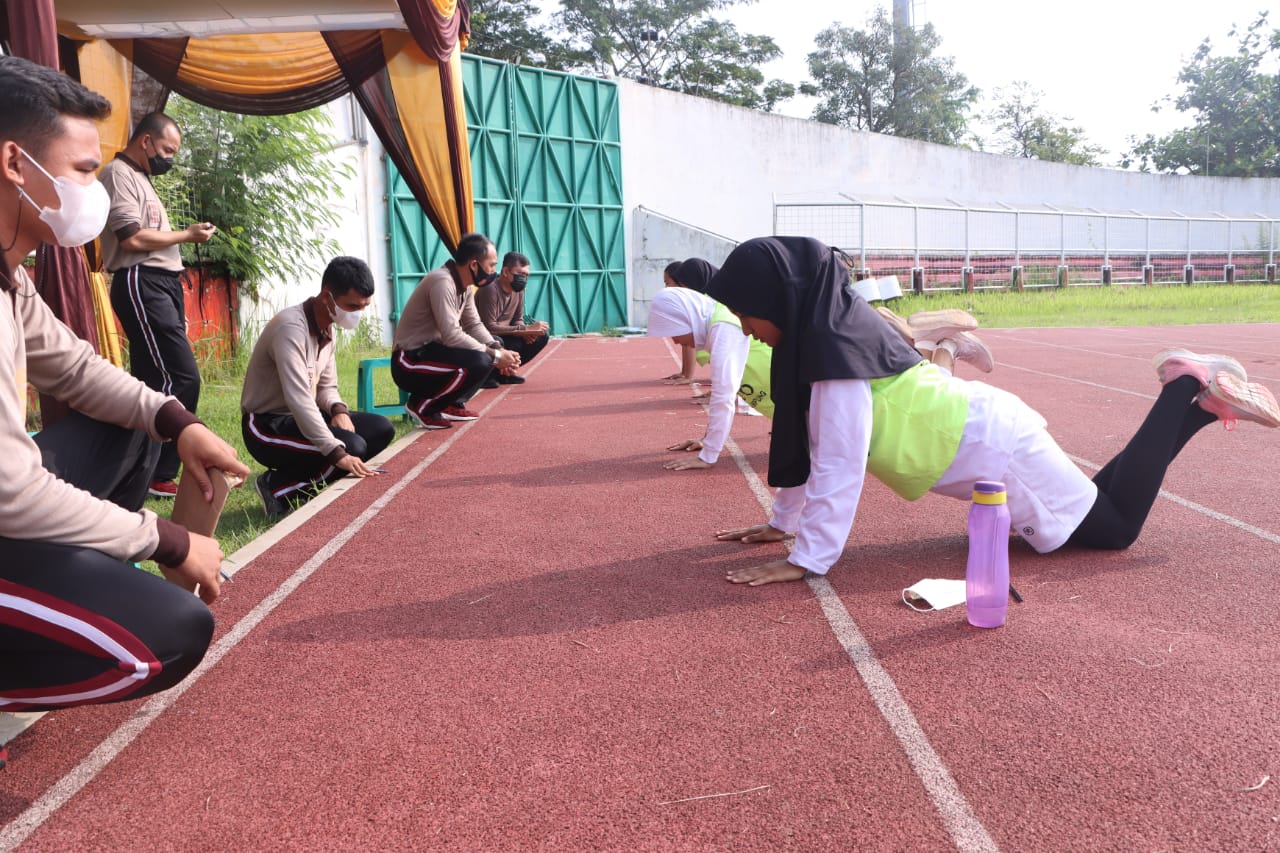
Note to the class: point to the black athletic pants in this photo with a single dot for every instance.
(1129, 484)
(149, 303)
(436, 376)
(76, 626)
(528, 350)
(294, 464)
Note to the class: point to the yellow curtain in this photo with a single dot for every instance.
(108, 331)
(109, 73)
(421, 105)
(262, 63)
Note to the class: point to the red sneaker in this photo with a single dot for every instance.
(433, 421)
(163, 489)
(458, 413)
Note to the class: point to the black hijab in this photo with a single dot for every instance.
(695, 273)
(828, 332)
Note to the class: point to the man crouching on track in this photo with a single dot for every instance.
(78, 623)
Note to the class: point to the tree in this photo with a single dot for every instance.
(889, 82)
(508, 30)
(675, 44)
(1235, 106)
(263, 180)
(1024, 131)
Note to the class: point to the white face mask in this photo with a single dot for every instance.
(342, 318)
(83, 213)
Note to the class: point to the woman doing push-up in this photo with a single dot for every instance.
(851, 397)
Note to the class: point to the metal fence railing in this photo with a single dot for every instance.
(940, 247)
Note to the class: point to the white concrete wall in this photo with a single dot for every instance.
(711, 172)
(658, 240)
(720, 168)
(361, 230)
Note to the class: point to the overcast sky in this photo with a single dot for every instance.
(1102, 63)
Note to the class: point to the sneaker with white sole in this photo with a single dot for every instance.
(969, 348)
(432, 421)
(162, 489)
(1172, 364)
(1232, 399)
(940, 324)
(458, 413)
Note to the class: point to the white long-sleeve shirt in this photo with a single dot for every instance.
(1003, 439)
(821, 512)
(729, 348)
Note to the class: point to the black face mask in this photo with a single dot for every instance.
(518, 282)
(157, 164)
(482, 278)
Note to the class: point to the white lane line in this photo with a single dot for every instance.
(1265, 535)
(966, 831)
(1062, 378)
(61, 792)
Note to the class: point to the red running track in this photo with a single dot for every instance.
(521, 639)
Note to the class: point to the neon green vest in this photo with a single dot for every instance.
(755, 379)
(916, 424)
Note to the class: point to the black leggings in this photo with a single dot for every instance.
(1129, 484)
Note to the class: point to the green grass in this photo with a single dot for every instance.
(243, 518)
(1162, 305)
(1136, 305)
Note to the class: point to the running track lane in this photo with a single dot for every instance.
(1063, 730)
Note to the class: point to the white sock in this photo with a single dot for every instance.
(948, 345)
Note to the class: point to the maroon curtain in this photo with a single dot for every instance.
(62, 276)
(359, 55)
(435, 34)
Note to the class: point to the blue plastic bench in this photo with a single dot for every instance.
(364, 389)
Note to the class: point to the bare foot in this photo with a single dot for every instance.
(775, 572)
(758, 533)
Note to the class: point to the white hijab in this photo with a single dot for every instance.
(679, 311)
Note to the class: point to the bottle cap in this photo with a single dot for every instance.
(988, 492)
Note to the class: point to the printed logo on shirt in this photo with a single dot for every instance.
(1028, 531)
(753, 397)
(151, 215)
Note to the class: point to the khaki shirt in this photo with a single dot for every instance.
(438, 312)
(34, 504)
(134, 206)
(293, 371)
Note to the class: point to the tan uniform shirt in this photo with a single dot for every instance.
(502, 313)
(34, 504)
(134, 206)
(437, 312)
(293, 371)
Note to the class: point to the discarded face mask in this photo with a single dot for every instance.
(934, 594)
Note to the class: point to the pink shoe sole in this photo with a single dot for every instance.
(1233, 399)
(1172, 364)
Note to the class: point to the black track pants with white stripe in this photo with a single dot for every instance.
(294, 464)
(78, 627)
(149, 303)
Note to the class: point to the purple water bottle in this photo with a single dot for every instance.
(986, 578)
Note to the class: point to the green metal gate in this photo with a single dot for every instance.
(546, 171)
